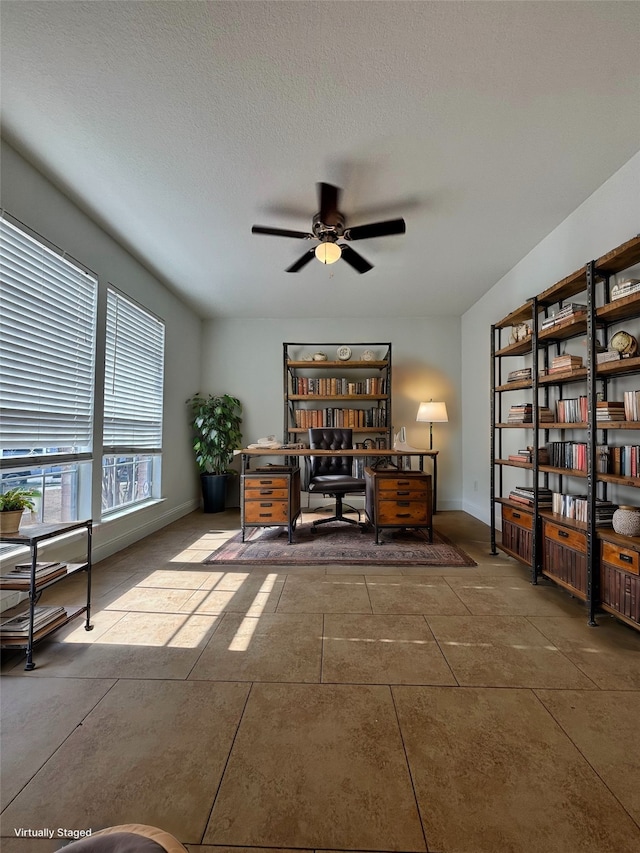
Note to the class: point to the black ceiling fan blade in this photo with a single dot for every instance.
(376, 229)
(301, 262)
(355, 260)
(281, 232)
(328, 197)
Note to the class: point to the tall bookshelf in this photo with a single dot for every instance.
(574, 457)
(352, 392)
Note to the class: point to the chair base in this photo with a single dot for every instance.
(340, 517)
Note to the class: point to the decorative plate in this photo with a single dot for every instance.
(344, 353)
(368, 355)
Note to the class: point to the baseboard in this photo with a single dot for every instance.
(112, 544)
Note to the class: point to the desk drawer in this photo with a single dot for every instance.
(573, 539)
(253, 493)
(517, 517)
(620, 558)
(266, 512)
(401, 513)
(417, 483)
(261, 481)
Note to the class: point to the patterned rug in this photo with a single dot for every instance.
(339, 544)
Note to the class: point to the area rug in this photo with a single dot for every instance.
(339, 545)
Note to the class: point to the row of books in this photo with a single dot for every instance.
(523, 414)
(577, 506)
(631, 401)
(621, 461)
(15, 629)
(20, 576)
(568, 311)
(573, 410)
(526, 455)
(568, 454)
(610, 410)
(375, 416)
(333, 386)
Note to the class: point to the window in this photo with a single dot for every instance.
(47, 352)
(133, 387)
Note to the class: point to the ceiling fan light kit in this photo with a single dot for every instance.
(328, 226)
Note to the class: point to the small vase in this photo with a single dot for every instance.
(626, 521)
(10, 522)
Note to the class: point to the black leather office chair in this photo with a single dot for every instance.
(332, 475)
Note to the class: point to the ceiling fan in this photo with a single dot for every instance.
(328, 226)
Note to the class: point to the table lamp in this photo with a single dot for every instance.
(432, 413)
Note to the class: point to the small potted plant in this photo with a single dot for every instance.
(12, 505)
(216, 421)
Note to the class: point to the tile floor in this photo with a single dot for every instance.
(326, 709)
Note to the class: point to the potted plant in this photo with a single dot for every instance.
(216, 421)
(12, 505)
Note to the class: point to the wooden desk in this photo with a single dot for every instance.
(376, 457)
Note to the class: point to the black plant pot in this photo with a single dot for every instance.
(214, 488)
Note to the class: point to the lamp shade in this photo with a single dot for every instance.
(328, 253)
(432, 412)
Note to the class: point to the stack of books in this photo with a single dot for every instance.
(15, 629)
(523, 374)
(526, 494)
(20, 576)
(565, 363)
(521, 414)
(568, 312)
(607, 355)
(625, 288)
(632, 405)
(608, 410)
(526, 455)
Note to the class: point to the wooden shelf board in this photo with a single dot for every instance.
(520, 315)
(619, 367)
(564, 289)
(620, 309)
(338, 397)
(514, 386)
(622, 257)
(343, 365)
(519, 348)
(578, 375)
(571, 328)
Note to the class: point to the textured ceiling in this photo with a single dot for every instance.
(178, 125)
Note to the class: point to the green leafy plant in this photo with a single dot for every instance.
(17, 499)
(216, 421)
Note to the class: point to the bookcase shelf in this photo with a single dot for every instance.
(372, 375)
(581, 557)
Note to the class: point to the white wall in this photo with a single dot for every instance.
(31, 198)
(245, 358)
(606, 219)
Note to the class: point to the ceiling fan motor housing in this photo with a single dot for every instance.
(330, 230)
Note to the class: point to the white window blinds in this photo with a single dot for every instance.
(134, 375)
(47, 346)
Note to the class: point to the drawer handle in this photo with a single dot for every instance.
(625, 558)
(266, 482)
(265, 515)
(266, 491)
(403, 503)
(403, 515)
(404, 482)
(516, 515)
(563, 533)
(266, 503)
(405, 493)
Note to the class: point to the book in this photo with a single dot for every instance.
(18, 626)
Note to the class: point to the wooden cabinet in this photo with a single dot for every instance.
(353, 393)
(620, 576)
(32, 537)
(271, 498)
(564, 556)
(550, 444)
(398, 499)
(517, 533)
